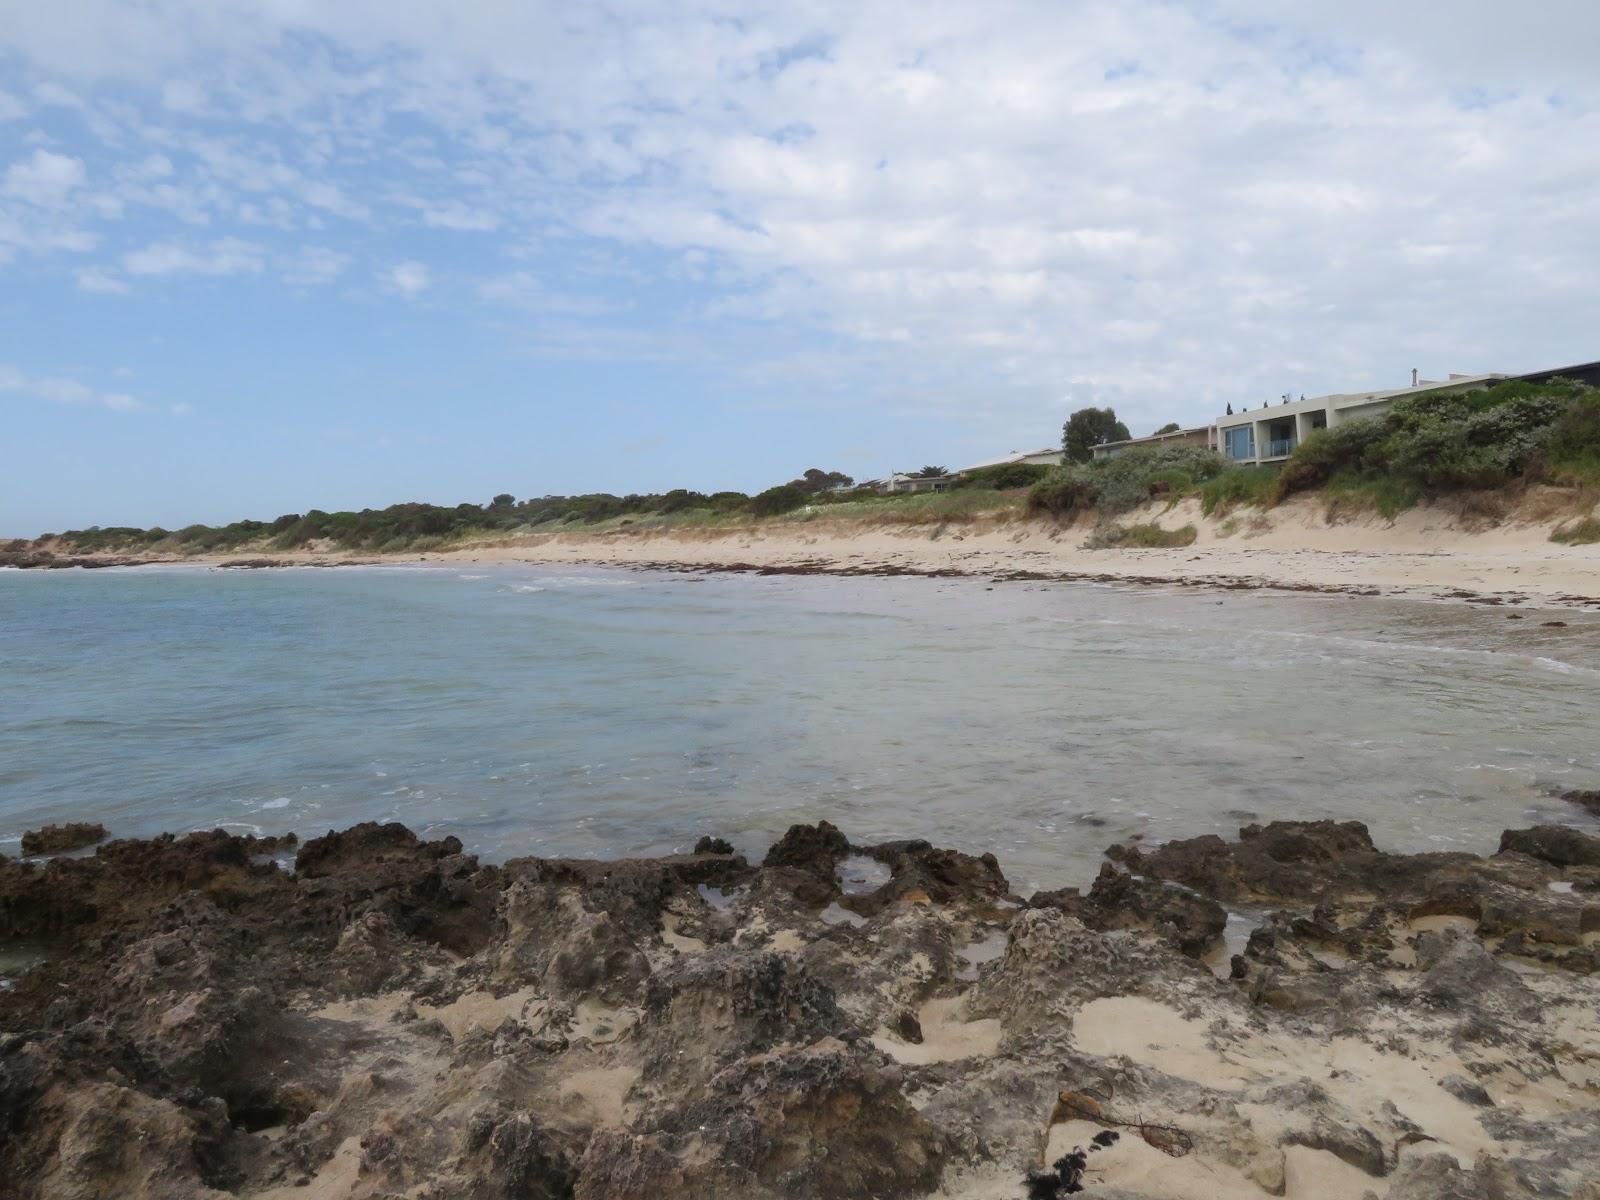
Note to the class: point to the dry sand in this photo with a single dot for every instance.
(1427, 552)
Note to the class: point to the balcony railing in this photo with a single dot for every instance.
(1281, 447)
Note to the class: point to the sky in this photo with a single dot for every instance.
(258, 256)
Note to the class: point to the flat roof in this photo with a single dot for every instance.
(1010, 458)
(1155, 437)
(1269, 411)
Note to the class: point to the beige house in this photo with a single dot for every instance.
(1197, 435)
(1271, 432)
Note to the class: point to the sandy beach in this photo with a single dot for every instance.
(1427, 553)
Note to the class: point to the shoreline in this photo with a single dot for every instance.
(368, 1013)
(1424, 554)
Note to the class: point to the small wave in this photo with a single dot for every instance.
(471, 577)
(589, 581)
(525, 587)
(280, 802)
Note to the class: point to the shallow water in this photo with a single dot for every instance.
(601, 712)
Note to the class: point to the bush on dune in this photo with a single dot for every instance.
(1004, 477)
(777, 500)
(1140, 537)
(1125, 481)
(1584, 533)
(1236, 486)
(1429, 445)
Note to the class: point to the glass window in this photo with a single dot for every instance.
(1240, 441)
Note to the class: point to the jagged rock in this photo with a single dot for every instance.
(521, 1160)
(60, 839)
(114, 1141)
(942, 876)
(399, 1019)
(367, 845)
(1558, 845)
(825, 1119)
(704, 1011)
(713, 845)
(1466, 1090)
(814, 848)
(368, 954)
(1589, 799)
(1357, 1146)
(1190, 921)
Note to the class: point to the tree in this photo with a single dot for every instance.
(503, 500)
(1088, 428)
(815, 480)
(1169, 427)
(930, 473)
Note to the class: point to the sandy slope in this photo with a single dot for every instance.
(1426, 552)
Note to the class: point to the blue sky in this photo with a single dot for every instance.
(258, 255)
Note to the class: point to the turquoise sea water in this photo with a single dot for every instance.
(607, 712)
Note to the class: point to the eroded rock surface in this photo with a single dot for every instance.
(61, 839)
(393, 1018)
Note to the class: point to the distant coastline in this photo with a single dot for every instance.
(1429, 552)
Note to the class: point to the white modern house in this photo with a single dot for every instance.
(899, 482)
(1270, 433)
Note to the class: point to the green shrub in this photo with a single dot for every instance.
(1389, 495)
(1134, 477)
(1435, 443)
(1323, 455)
(1141, 537)
(1255, 486)
(681, 499)
(777, 500)
(1585, 533)
(1004, 477)
(1125, 481)
(1573, 453)
(729, 502)
(1064, 491)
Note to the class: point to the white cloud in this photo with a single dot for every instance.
(92, 279)
(409, 278)
(45, 180)
(1009, 209)
(183, 95)
(523, 290)
(314, 265)
(61, 390)
(458, 216)
(11, 109)
(225, 256)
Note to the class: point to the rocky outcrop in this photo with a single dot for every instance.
(1584, 798)
(392, 1017)
(1558, 845)
(61, 839)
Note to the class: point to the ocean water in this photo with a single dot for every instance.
(608, 712)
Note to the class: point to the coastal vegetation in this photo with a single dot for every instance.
(1477, 449)
(1513, 432)
(1109, 486)
(1426, 448)
(416, 527)
(1141, 536)
(1088, 428)
(1582, 533)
